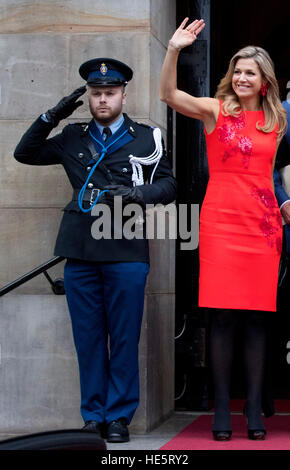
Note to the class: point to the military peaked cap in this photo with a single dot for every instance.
(105, 71)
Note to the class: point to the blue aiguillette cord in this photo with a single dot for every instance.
(104, 151)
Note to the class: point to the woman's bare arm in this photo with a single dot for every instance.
(205, 109)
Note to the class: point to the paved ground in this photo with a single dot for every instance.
(150, 441)
(156, 438)
(159, 436)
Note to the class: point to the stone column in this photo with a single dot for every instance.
(43, 42)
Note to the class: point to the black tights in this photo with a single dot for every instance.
(224, 325)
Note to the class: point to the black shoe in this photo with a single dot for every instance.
(222, 435)
(92, 426)
(118, 431)
(257, 434)
(260, 432)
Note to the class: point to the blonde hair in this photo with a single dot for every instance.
(271, 104)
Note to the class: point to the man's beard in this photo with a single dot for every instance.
(107, 118)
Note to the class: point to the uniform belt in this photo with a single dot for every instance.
(89, 195)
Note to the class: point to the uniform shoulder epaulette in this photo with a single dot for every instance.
(83, 125)
(145, 125)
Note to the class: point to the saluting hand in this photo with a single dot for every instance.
(186, 36)
(65, 107)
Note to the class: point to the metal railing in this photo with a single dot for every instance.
(57, 285)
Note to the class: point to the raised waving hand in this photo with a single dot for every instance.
(185, 36)
(203, 108)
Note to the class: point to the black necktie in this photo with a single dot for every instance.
(106, 133)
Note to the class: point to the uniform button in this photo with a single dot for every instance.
(90, 185)
(89, 168)
(80, 155)
(125, 170)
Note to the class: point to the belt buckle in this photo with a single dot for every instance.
(92, 195)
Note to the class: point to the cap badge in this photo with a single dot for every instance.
(103, 69)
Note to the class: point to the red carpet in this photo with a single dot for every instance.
(198, 436)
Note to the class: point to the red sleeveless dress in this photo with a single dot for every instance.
(240, 235)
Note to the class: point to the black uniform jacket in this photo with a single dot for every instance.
(71, 149)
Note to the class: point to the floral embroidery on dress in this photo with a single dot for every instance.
(279, 219)
(279, 244)
(228, 134)
(238, 122)
(229, 153)
(265, 195)
(271, 221)
(268, 228)
(246, 145)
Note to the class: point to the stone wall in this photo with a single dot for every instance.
(42, 44)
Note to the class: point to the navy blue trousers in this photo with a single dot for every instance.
(106, 303)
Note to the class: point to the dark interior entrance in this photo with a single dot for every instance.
(233, 25)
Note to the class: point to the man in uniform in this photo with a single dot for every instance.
(105, 276)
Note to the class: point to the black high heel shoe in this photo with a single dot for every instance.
(222, 435)
(257, 434)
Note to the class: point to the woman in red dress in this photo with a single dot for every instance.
(240, 223)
